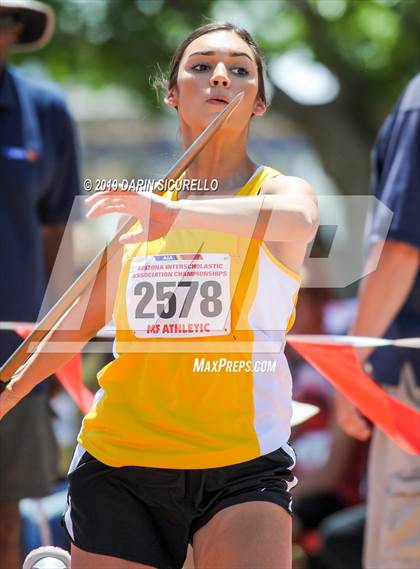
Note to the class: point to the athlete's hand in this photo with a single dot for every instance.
(350, 419)
(155, 214)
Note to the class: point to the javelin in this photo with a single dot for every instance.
(21, 355)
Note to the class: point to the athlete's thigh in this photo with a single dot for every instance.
(83, 560)
(247, 535)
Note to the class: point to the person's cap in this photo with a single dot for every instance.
(38, 23)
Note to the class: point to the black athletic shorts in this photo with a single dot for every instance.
(149, 515)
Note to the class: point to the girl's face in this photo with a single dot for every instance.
(213, 69)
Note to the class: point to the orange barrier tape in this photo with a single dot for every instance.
(340, 365)
(70, 377)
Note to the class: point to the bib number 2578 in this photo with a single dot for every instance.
(195, 302)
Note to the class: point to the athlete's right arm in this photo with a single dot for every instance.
(91, 311)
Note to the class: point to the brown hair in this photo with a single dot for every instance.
(169, 81)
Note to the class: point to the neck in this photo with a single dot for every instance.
(225, 158)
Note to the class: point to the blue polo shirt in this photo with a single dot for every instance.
(396, 182)
(39, 180)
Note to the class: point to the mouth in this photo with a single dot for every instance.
(218, 101)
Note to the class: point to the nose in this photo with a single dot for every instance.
(220, 76)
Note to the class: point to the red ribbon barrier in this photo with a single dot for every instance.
(70, 377)
(340, 365)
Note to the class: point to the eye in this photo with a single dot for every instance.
(240, 71)
(200, 67)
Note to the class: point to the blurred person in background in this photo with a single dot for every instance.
(341, 539)
(330, 463)
(389, 307)
(38, 183)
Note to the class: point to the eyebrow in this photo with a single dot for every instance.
(229, 53)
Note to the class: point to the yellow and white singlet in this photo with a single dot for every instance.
(200, 378)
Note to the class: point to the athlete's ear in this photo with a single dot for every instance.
(171, 98)
(259, 107)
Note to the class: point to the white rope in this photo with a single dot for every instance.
(108, 332)
(13, 325)
(355, 341)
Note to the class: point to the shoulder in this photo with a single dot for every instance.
(288, 185)
(44, 94)
(399, 137)
(410, 100)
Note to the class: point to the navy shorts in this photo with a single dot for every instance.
(149, 515)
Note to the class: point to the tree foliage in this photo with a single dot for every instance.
(372, 46)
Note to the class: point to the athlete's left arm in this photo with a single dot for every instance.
(285, 211)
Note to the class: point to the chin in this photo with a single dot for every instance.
(198, 120)
(201, 119)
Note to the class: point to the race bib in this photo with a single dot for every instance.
(179, 296)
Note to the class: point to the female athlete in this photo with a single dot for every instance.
(187, 439)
